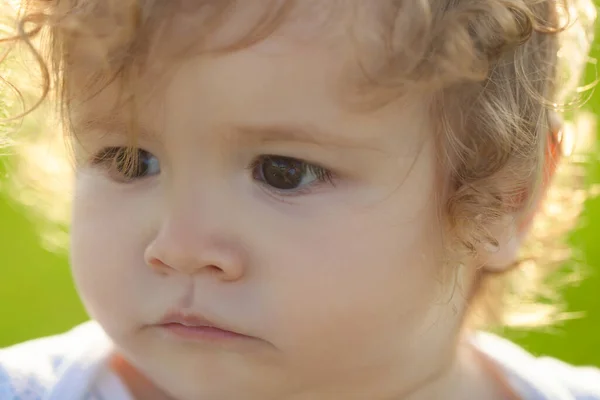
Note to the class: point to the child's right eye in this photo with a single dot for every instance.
(127, 164)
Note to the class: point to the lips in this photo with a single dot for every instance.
(197, 328)
(190, 320)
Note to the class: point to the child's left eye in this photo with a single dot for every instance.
(127, 164)
(286, 174)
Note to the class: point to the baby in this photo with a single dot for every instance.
(300, 200)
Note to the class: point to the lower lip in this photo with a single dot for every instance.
(201, 333)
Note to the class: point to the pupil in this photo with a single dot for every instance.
(282, 173)
(133, 166)
(143, 164)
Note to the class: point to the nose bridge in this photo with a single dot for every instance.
(194, 235)
(197, 205)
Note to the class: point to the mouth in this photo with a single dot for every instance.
(195, 327)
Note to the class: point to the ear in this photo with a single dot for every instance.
(511, 231)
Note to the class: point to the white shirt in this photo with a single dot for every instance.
(74, 366)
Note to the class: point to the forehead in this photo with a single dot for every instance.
(307, 70)
(169, 33)
(295, 80)
(275, 83)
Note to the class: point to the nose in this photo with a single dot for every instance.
(185, 246)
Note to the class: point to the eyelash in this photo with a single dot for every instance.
(115, 159)
(123, 165)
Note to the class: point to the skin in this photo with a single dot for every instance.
(337, 284)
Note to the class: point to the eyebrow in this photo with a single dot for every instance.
(294, 133)
(112, 126)
(306, 133)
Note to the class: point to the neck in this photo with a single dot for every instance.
(471, 375)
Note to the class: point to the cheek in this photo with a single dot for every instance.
(106, 251)
(356, 278)
(362, 276)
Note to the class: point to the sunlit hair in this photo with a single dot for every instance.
(496, 74)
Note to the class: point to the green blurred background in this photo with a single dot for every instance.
(37, 296)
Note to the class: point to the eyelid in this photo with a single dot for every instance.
(106, 154)
(303, 191)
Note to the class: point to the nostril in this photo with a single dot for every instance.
(159, 266)
(215, 270)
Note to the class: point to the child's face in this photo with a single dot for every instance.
(336, 278)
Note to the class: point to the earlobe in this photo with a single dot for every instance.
(502, 255)
(552, 157)
(511, 232)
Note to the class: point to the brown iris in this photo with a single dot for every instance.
(282, 173)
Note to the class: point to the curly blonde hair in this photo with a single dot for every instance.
(496, 72)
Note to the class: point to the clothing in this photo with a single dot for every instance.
(74, 366)
(70, 366)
